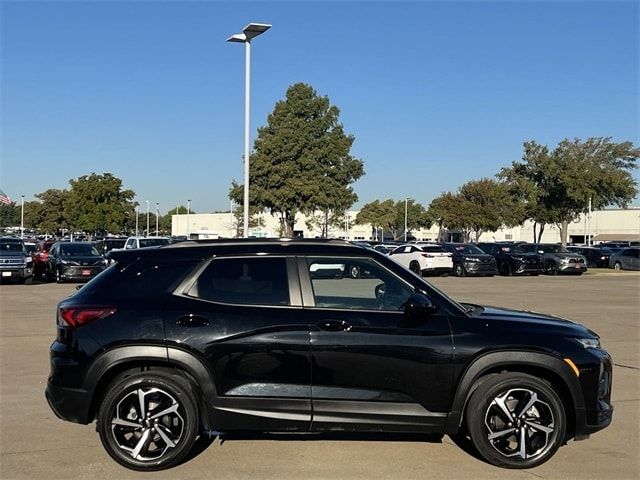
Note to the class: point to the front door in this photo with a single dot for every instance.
(242, 316)
(371, 369)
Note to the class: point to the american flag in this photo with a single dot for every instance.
(4, 200)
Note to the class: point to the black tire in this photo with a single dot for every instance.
(59, 278)
(458, 270)
(542, 426)
(164, 390)
(354, 271)
(414, 266)
(535, 274)
(550, 268)
(617, 266)
(505, 269)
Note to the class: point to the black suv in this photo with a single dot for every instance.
(174, 342)
(513, 259)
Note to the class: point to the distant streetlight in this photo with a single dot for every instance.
(146, 233)
(157, 216)
(22, 217)
(188, 212)
(405, 220)
(137, 218)
(248, 33)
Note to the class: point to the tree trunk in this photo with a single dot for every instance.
(290, 223)
(540, 233)
(325, 227)
(535, 232)
(478, 233)
(564, 227)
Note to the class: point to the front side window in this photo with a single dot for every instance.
(245, 281)
(356, 284)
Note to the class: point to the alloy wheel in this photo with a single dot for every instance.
(147, 423)
(519, 424)
(617, 266)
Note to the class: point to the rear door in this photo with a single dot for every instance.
(371, 370)
(242, 317)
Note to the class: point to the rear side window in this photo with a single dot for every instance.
(433, 249)
(141, 281)
(247, 281)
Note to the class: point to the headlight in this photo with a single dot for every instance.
(588, 342)
(564, 259)
(27, 260)
(471, 259)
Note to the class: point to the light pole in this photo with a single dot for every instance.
(157, 216)
(146, 233)
(248, 33)
(22, 216)
(188, 212)
(405, 220)
(137, 218)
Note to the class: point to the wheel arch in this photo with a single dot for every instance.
(118, 360)
(542, 365)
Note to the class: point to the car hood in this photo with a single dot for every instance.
(533, 318)
(88, 260)
(565, 255)
(13, 255)
(524, 255)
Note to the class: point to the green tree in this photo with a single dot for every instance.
(255, 219)
(450, 211)
(49, 215)
(165, 220)
(416, 217)
(488, 205)
(557, 184)
(301, 160)
(98, 203)
(9, 215)
(379, 214)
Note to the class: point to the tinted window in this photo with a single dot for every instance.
(11, 246)
(252, 281)
(631, 252)
(78, 250)
(433, 249)
(360, 284)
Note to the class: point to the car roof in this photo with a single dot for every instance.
(198, 249)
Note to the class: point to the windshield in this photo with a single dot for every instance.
(153, 242)
(111, 244)
(467, 249)
(78, 250)
(11, 246)
(553, 249)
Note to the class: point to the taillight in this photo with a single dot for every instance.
(427, 255)
(78, 316)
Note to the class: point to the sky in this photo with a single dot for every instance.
(435, 93)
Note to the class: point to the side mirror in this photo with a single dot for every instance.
(417, 308)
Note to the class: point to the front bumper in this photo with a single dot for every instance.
(572, 267)
(15, 272)
(596, 380)
(522, 268)
(478, 268)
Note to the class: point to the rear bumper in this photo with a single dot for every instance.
(436, 270)
(68, 404)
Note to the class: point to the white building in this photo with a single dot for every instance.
(610, 224)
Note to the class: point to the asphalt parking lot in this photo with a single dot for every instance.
(34, 444)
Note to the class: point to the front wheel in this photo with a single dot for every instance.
(148, 421)
(617, 266)
(458, 270)
(516, 420)
(551, 268)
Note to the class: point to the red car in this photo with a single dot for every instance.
(40, 258)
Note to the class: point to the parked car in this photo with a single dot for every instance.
(40, 258)
(143, 242)
(188, 339)
(385, 248)
(470, 260)
(16, 264)
(105, 245)
(512, 260)
(423, 259)
(596, 257)
(74, 261)
(557, 259)
(626, 259)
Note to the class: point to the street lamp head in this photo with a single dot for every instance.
(249, 32)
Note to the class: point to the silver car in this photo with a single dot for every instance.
(626, 259)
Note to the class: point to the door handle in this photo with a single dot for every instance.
(192, 320)
(335, 326)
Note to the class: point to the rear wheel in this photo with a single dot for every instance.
(148, 421)
(505, 269)
(550, 268)
(458, 270)
(516, 420)
(617, 266)
(414, 266)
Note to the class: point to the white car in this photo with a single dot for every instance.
(142, 242)
(423, 259)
